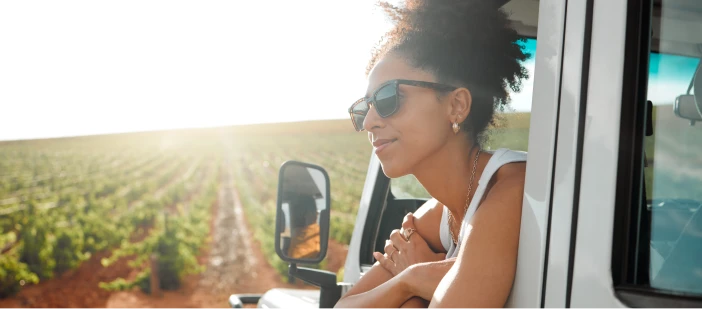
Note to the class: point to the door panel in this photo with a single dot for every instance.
(566, 155)
(527, 288)
(591, 275)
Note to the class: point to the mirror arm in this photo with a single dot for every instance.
(330, 291)
(316, 277)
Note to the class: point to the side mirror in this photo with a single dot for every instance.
(685, 107)
(302, 213)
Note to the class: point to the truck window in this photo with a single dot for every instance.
(657, 257)
(673, 179)
(511, 130)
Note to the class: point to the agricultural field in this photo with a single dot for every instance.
(104, 212)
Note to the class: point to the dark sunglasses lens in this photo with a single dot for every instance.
(358, 121)
(358, 114)
(386, 100)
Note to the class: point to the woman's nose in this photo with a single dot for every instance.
(373, 120)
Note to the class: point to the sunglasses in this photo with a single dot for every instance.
(386, 101)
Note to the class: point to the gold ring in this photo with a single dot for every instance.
(408, 233)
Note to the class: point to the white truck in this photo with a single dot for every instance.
(611, 210)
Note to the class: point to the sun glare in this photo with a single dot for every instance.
(85, 67)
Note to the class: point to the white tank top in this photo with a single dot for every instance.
(499, 158)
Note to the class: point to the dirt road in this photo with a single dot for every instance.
(234, 261)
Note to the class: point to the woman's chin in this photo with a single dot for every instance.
(393, 170)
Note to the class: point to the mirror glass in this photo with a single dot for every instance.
(303, 214)
(685, 107)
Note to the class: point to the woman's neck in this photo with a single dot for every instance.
(446, 175)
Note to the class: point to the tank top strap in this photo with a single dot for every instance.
(444, 233)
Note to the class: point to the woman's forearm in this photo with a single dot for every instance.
(390, 294)
(420, 280)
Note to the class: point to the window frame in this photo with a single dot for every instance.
(631, 143)
(631, 283)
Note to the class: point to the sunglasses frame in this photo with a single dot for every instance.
(397, 82)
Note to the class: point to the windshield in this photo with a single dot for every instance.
(674, 152)
(673, 172)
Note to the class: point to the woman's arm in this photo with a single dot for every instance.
(487, 261)
(418, 280)
(387, 293)
(426, 220)
(422, 279)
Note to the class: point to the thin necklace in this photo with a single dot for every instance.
(451, 220)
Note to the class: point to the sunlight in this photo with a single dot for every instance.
(83, 67)
(77, 68)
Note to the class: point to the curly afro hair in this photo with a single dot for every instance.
(465, 43)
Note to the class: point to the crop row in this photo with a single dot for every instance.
(99, 184)
(175, 227)
(40, 240)
(128, 186)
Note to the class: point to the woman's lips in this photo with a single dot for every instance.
(381, 144)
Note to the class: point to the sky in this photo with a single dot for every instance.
(89, 67)
(669, 77)
(71, 68)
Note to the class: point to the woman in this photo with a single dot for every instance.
(433, 88)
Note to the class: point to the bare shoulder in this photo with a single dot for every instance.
(509, 179)
(506, 191)
(427, 222)
(513, 172)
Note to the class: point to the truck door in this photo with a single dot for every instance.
(625, 223)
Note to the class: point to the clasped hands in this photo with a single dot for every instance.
(406, 248)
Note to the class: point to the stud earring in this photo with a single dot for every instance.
(456, 127)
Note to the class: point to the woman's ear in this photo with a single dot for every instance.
(460, 105)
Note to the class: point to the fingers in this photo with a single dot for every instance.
(389, 247)
(407, 233)
(384, 261)
(398, 240)
(408, 221)
(413, 238)
(379, 257)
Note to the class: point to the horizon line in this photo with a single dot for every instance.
(137, 131)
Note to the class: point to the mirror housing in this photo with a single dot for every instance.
(685, 107)
(304, 189)
(302, 213)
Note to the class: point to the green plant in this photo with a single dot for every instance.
(14, 275)
(68, 250)
(36, 249)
